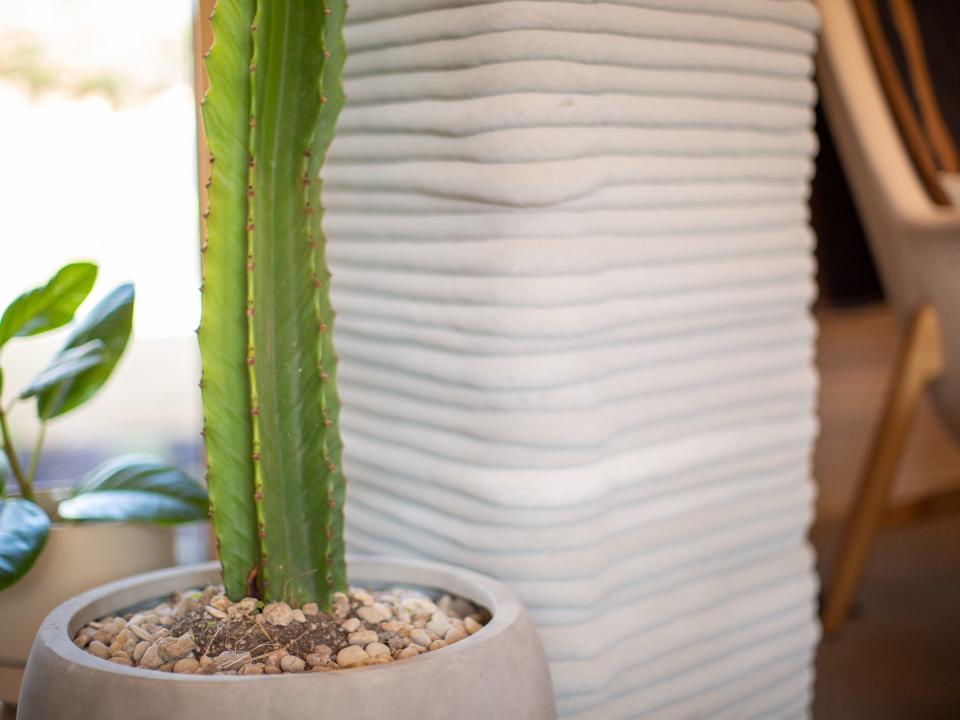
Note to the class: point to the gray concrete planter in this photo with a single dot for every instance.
(499, 673)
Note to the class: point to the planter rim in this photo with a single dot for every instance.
(62, 623)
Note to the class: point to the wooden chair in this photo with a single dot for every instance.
(891, 158)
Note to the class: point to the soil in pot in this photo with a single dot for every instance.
(203, 632)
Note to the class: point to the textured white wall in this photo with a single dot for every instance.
(572, 271)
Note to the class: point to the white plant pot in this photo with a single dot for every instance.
(572, 271)
(499, 672)
(77, 557)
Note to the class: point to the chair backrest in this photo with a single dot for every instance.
(915, 240)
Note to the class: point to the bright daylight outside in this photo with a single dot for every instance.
(97, 141)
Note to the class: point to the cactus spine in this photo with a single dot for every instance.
(271, 410)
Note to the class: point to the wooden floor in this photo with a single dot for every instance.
(899, 655)
(854, 354)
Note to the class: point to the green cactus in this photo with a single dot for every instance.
(271, 410)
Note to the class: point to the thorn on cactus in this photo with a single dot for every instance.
(256, 456)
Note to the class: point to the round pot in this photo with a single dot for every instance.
(498, 673)
(77, 557)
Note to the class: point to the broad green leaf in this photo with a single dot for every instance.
(136, 488)
(51, 306)
(109, 322)
(23, 531)
(67, 365)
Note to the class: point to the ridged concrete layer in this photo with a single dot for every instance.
(572, 271)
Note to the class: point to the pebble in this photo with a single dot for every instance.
(139, 650)
(274, 658)
(437, 644)
(311, 609)
(320, 656)
(186, 666)
(439, 624)
(99, 649)
(252, 669)
(292, 664)
(217, 613)
(352, 656)
(362, 596)
(151, 658)
(409, 652)
(299, 616)
(420, 606)
(122, 660)
(220, 602)
(420, 637)
(246, 606)
(471, 625)
(362, 637)
(455, 635)
(174, 648)
(271, 670)
(377, 649)
(341, 606)
(140, 632)
(372, 615)
(278, 613)
(351, 625)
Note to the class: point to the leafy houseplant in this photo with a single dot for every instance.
(271, 410)
(128, 488)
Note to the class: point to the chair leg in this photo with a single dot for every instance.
(919, 360)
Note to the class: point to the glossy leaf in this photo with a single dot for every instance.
(67, 365)
(51, 306)
(23, 531)
(136, 488)
(110, 322)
